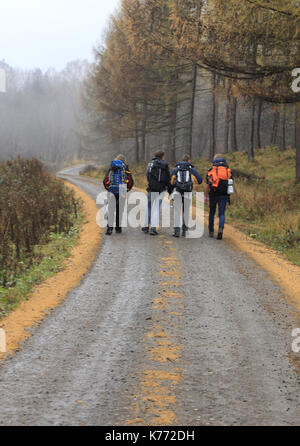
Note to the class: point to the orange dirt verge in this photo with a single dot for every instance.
(281, 271)
(53, 291)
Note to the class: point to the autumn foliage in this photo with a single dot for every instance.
(160, 56)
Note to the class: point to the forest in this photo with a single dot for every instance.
(194, 76)
(40, 113)
(198, 77)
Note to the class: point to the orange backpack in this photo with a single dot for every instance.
(218, 178)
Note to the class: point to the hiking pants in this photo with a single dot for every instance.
(182, 208)
(155, 200)
(115, 210)
(214, 201)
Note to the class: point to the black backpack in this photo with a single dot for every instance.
(184, 182)
(158, 175)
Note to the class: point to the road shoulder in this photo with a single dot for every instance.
(281, 271)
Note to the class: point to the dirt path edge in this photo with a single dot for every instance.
(280, 270)
(51, 293)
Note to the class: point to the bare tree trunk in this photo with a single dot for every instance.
(234, 144)
(298, 158)
(296, 125)
(171, 155)
(144, 131)
(258, 127)
(297, 136)
(212, 149)
(275, 128)
(227, 118)
(283, 130)
(251, 154)
(137, 146)
(192, 109)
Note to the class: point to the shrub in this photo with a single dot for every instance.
(33, 204)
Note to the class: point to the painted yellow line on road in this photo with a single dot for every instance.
(155, 403)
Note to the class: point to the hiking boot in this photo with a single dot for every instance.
(220, 234)
(109, 231)
(211, 234)
(176, 232)
(153, 231)
(118, 230)
(184, 231)
(145, 230)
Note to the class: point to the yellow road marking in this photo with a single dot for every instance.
(155, 403)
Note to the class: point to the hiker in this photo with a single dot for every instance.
(158, 175)
(183, 178)
(118, 181)
(218, 189)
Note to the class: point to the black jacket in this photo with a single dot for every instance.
(161, 182)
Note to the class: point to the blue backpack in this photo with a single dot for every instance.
(117, 176)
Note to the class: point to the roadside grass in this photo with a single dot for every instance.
(93, 172)
(266, 203)
(40, 219)
(47, 260)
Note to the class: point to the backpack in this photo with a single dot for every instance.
(218, 178)
(158, 175)
(117, 176)
(184, 182)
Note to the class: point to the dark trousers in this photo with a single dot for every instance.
(114, 208)
(214, 201)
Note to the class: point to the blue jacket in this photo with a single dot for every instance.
(129, 179)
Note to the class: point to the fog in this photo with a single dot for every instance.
(45, 51)
(40, 113)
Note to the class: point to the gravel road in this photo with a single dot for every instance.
(160, 332)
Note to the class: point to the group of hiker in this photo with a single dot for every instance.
(179, 184)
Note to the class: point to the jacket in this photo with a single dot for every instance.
(163, 184)
(196, 177)
(129, 179)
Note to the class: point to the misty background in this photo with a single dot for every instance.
(46, 50)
